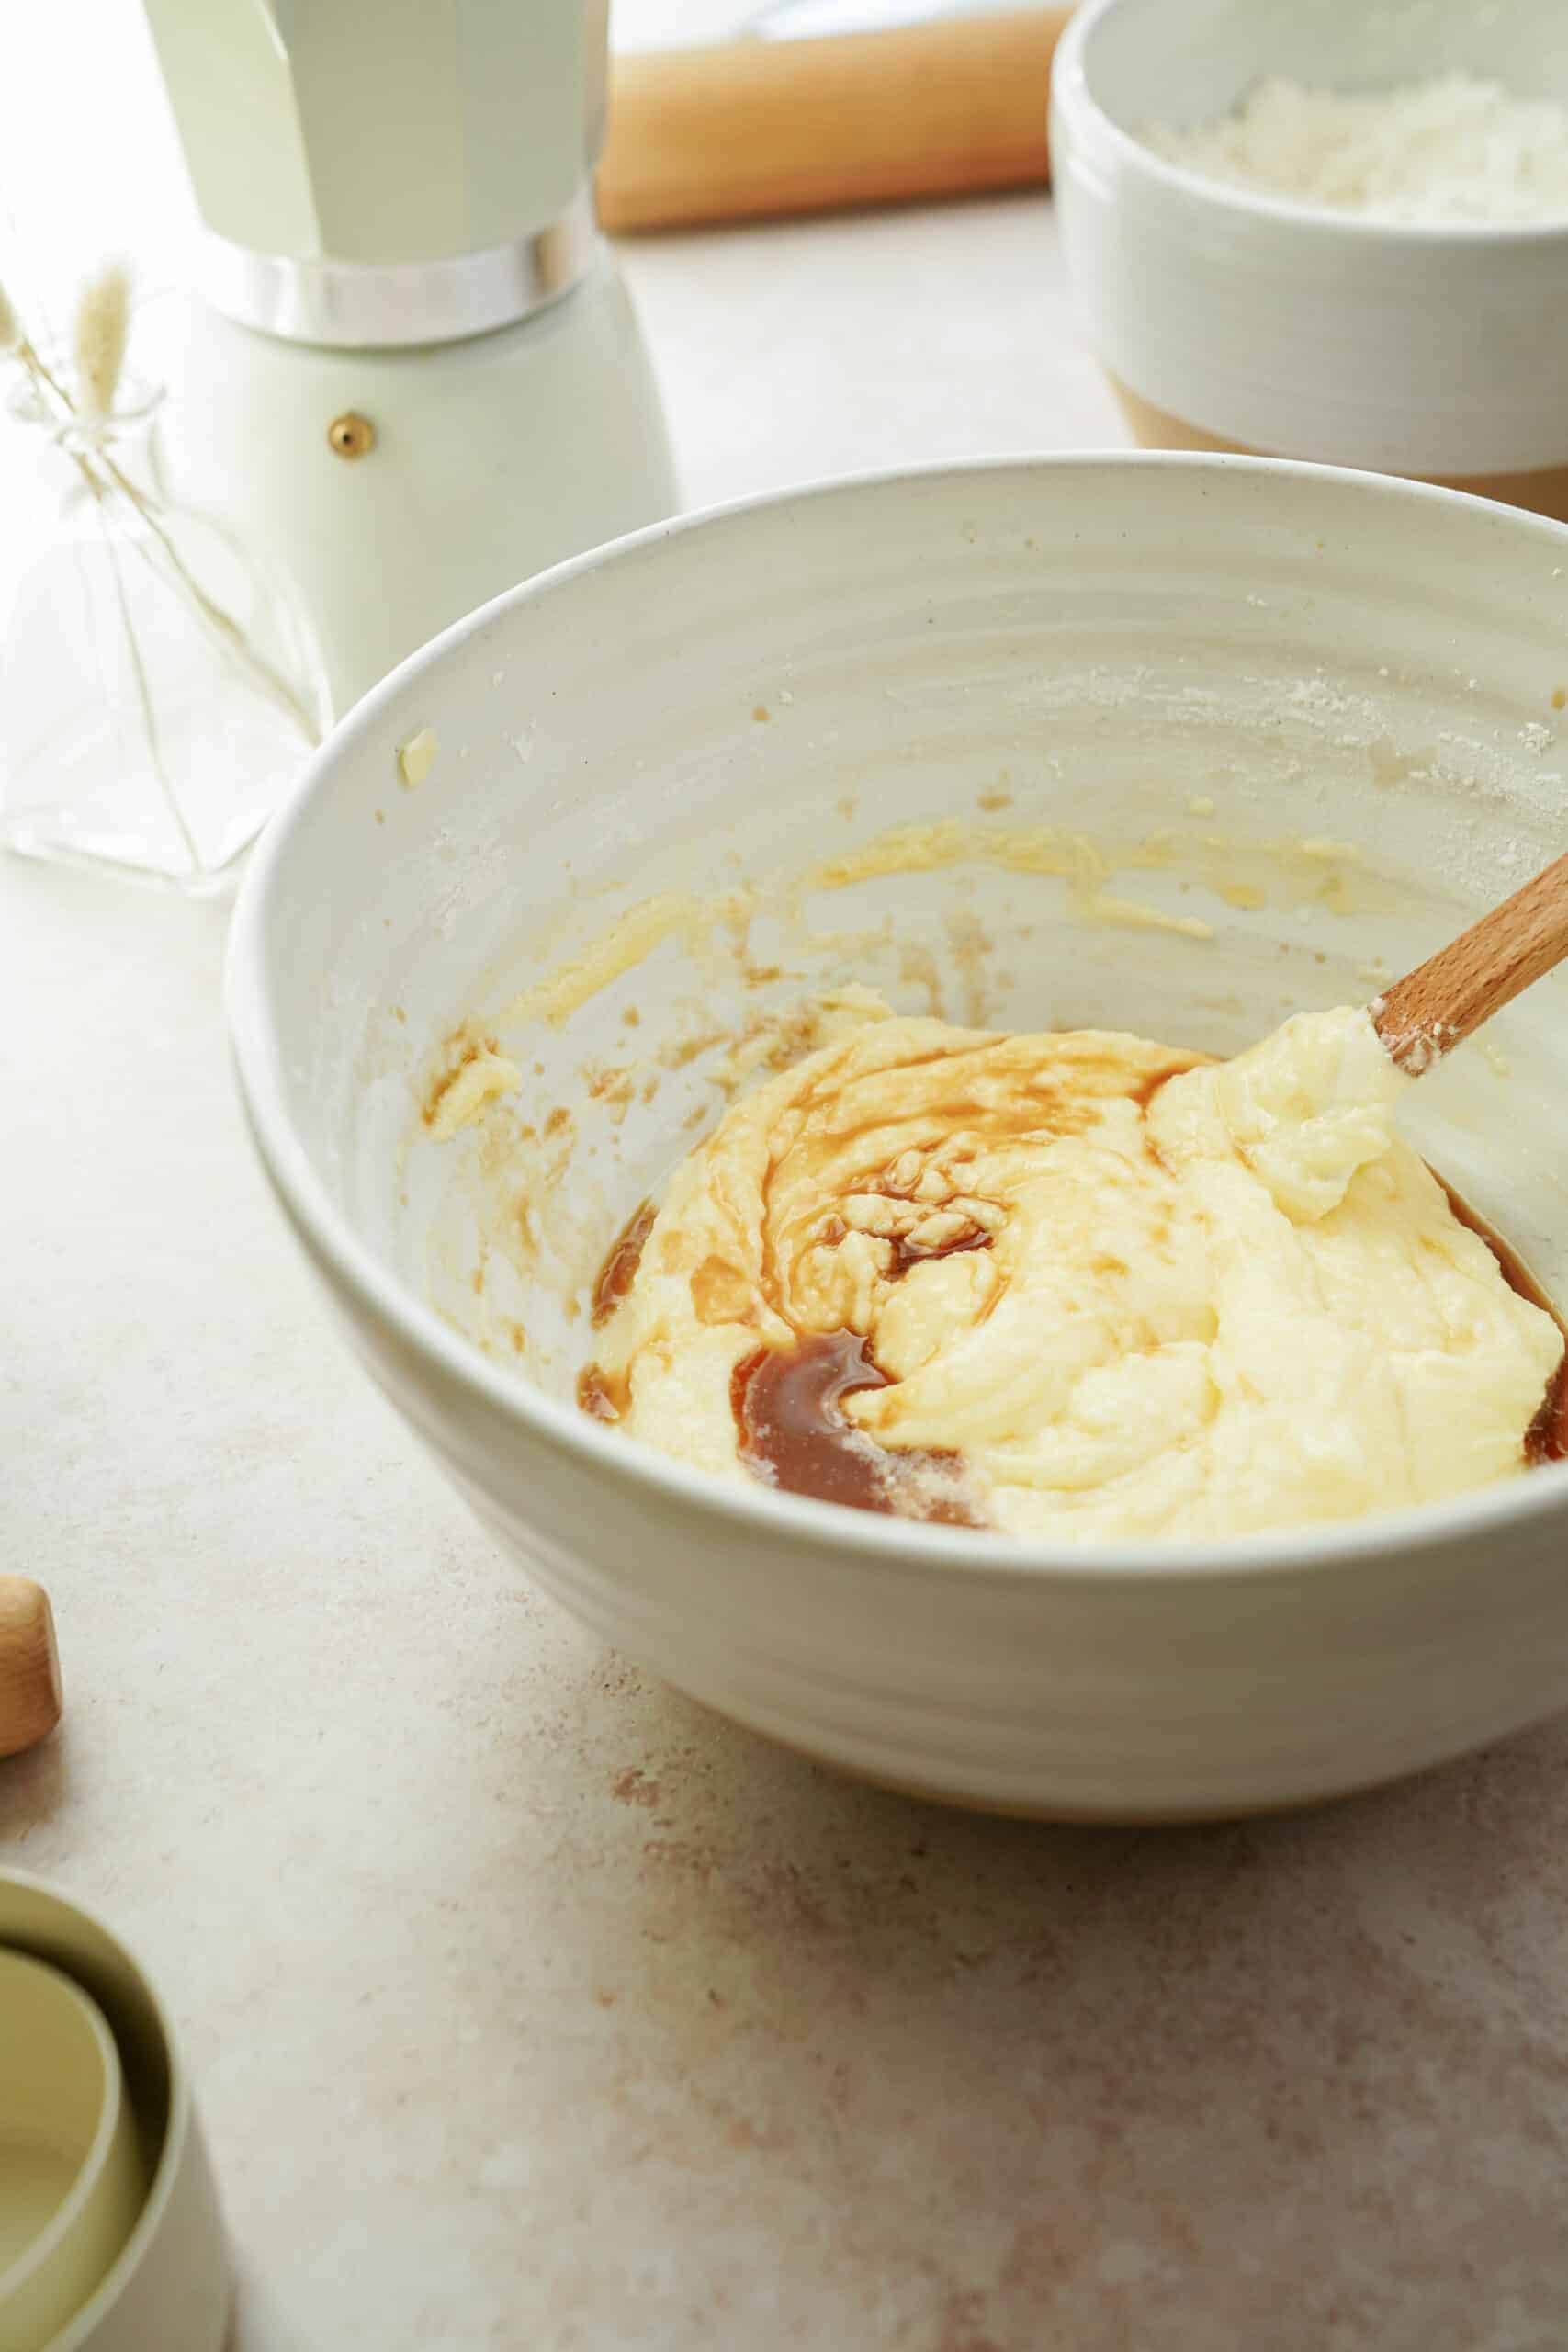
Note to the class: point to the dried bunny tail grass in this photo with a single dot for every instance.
(10, 324)
(103, 324)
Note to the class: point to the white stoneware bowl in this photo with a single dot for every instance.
(165, 2286)
(1315, 714)
(71, 2176)
(1232, 320)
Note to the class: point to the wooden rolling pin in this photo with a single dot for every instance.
(758, 126)
(29, 1665)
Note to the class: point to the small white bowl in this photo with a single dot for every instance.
(71, 2180)
(1161, 650)
(1233, 321)
(137, 2264)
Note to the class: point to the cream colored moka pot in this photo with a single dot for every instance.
(412, 376)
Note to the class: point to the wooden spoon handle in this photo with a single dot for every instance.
(1439, 1003)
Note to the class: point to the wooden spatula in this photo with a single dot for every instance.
(1442, 1000)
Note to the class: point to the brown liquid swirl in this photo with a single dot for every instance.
(1546, 1440)
(794, 1433)
(624, 1257)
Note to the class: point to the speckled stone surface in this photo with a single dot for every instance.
(528, 2004)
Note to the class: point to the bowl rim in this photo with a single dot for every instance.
(1073, 98)
(910, 1544)
(39, 2251)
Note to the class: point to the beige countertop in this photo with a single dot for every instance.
(530, 2006)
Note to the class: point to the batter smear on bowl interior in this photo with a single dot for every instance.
(1078, 1287)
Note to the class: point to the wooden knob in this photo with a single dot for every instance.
(29, 1665)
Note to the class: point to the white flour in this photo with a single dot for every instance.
(1453, 150)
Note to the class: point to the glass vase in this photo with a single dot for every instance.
(159, 689)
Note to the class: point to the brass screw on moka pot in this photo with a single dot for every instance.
(350, 434)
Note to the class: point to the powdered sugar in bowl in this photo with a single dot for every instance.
(1416, 334)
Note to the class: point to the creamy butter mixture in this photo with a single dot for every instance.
(1105, 1289)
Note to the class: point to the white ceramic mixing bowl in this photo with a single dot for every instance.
(1315, 715)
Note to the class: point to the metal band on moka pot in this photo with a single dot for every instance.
(381, 305)
(409, 175)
